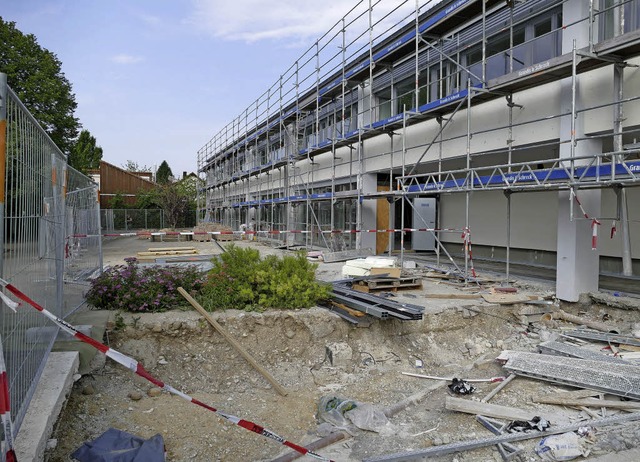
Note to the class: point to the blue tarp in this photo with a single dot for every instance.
(118, 446)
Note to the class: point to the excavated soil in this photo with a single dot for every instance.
(456, 338)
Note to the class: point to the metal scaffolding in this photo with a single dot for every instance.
(301, 166)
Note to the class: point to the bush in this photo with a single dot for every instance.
(241, 279)
(154, 288)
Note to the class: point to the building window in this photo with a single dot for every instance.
(406, 95)
(383, 103)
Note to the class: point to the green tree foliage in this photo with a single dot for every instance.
(85, 154)
(164, 173)
(133, 166)
(171, 198)
(117, 201)
(35, 75)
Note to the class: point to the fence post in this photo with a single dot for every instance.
(3, 161)
(59, 188)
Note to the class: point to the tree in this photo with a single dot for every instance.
(164, 173)
(173, 201)
(35, 75)
(85, 155)
(133, 166)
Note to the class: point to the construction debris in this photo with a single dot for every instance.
(511, 299)
(507, 450)
(391, 283)
(154, 253)
(559, 314)
(371, 266)
(460, 387)
(373, 305)
(572, 351)
(600, 337)
(616, 379)
(493, 410)
(507, 438)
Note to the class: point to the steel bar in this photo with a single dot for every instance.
(601, 337)
(407, 308)
(572, 351)
(508, 438)
(507, 450)
(361, 306)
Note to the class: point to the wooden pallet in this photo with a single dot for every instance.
(388, 284)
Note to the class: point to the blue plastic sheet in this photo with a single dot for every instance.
(118, 446)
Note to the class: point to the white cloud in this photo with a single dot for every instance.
(126, 59)
(256, 20)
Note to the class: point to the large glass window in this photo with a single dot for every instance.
(405, 95)
(383, 103)
(500, 59)
(423, 90)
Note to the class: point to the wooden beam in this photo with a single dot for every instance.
(279, 388)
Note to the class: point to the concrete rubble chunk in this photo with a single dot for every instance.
(339, 354)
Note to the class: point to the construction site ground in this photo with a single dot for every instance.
(458, 337)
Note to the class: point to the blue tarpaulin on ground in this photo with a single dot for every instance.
(118, 446)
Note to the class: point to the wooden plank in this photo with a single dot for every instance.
(279, 388)
(168, 249)
(173, 252)
(489, 410)
(453, 296)
(573, 394)
(382, 222)
(508, 299)
(590, 402)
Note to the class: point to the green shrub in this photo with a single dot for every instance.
(154, 288)
(241, 279)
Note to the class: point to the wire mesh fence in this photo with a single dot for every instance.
(50, 235)
(129, 220)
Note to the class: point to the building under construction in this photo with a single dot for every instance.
(510, 125)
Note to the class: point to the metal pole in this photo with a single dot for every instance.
(404, 162)
(3, 162)
(391, 236)
(98, 227)
(470, 179)
(573, 125)
(508, 194)
(618, 116)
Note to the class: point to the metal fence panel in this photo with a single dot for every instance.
(45, 206)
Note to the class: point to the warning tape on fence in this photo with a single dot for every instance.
(269, 232)
(8, 454)
(137, 367)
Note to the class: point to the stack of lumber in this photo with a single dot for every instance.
(158, 252)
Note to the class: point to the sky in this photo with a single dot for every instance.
(157, 79)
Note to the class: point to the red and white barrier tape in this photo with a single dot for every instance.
(136, 367)
(594, 223)
(268, 232)
(466, 238)
(8, 454)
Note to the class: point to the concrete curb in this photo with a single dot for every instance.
(51, 393)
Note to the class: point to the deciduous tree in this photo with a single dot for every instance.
(85, 155)
(35, 75)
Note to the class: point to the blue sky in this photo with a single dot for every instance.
(156, 79)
